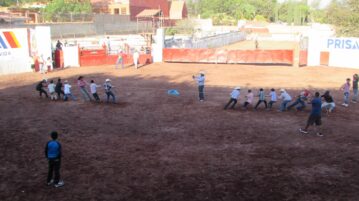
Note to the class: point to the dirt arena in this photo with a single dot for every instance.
(151, 146)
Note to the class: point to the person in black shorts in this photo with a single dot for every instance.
(58, 88)
(315, 116)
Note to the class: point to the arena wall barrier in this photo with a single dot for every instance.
(228, 56)
(99, 57)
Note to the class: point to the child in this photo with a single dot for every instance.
(93, 88)
(273, 98)
(355, 88)
(234, 97)
(346, 89)
(49, 64)
(51, 88)
(200, 82)
(301, 99)
(329, 104)
(53, 155)
(82, 85)
(108, 87)
(262, 98)
(58, 88)
(39, 87)
(67, 91)
(120, 60)
(249, 97)
(286, 98)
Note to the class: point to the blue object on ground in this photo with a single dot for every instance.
(173, 92)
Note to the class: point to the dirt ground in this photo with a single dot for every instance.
(151, 146)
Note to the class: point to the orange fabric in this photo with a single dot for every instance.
(324, 58)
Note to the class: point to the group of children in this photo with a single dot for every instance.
(55, 90)
(300, 100)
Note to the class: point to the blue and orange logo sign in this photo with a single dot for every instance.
(9, 40)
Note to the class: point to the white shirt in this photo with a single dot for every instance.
(285, 96)
(235, 94)
(51, 88)
(136, 56)
(273, 96)
(93, 87)
(200, 80)
(67, 89)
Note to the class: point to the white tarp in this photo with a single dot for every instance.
(71, 56)
(43, 42)
(14, 51)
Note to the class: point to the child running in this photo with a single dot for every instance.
(273, 98)
(51, 88)
(249, 100)
(262, 99)
(346, 89)
(286, 98)
(93, 88)
(234, 97)
(67, 90)
(39, 87)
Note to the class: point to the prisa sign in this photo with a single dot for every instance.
(343, 43)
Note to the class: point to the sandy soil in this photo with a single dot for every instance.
(151, 146)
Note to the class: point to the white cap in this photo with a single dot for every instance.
(282, 90)
(66, 81)
(108, 80)
(237, 88)
(201, 72)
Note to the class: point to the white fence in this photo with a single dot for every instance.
(207, 42)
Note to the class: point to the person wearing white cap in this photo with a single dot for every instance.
(200, 82)
(108, 87)
(286, 98)
(234, 97)
(67, 91)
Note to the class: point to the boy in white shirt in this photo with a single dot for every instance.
(67, 91)
(250, 97)
(273, 98)
(93, 89)
(51, 88)
(234, 97)
(286, 98)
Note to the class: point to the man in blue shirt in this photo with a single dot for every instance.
(53, 155)
(200, 82)
(315, 116)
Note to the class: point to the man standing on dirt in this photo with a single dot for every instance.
(315, 116)
(53, 155)
(200, 82)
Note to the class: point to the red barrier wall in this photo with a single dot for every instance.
(303, 58)
(99, 57)
(228, 56)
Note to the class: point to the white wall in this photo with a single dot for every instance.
(71, 56)
(14, 59)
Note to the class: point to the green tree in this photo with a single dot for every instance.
(58, 7)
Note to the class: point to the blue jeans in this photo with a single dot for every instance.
(298, 101)
(119, 61)
(110, 94)
(85, 94)
(346, 97)
(66, 96)
(283, 105)
(355, 96)
(201, 92)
